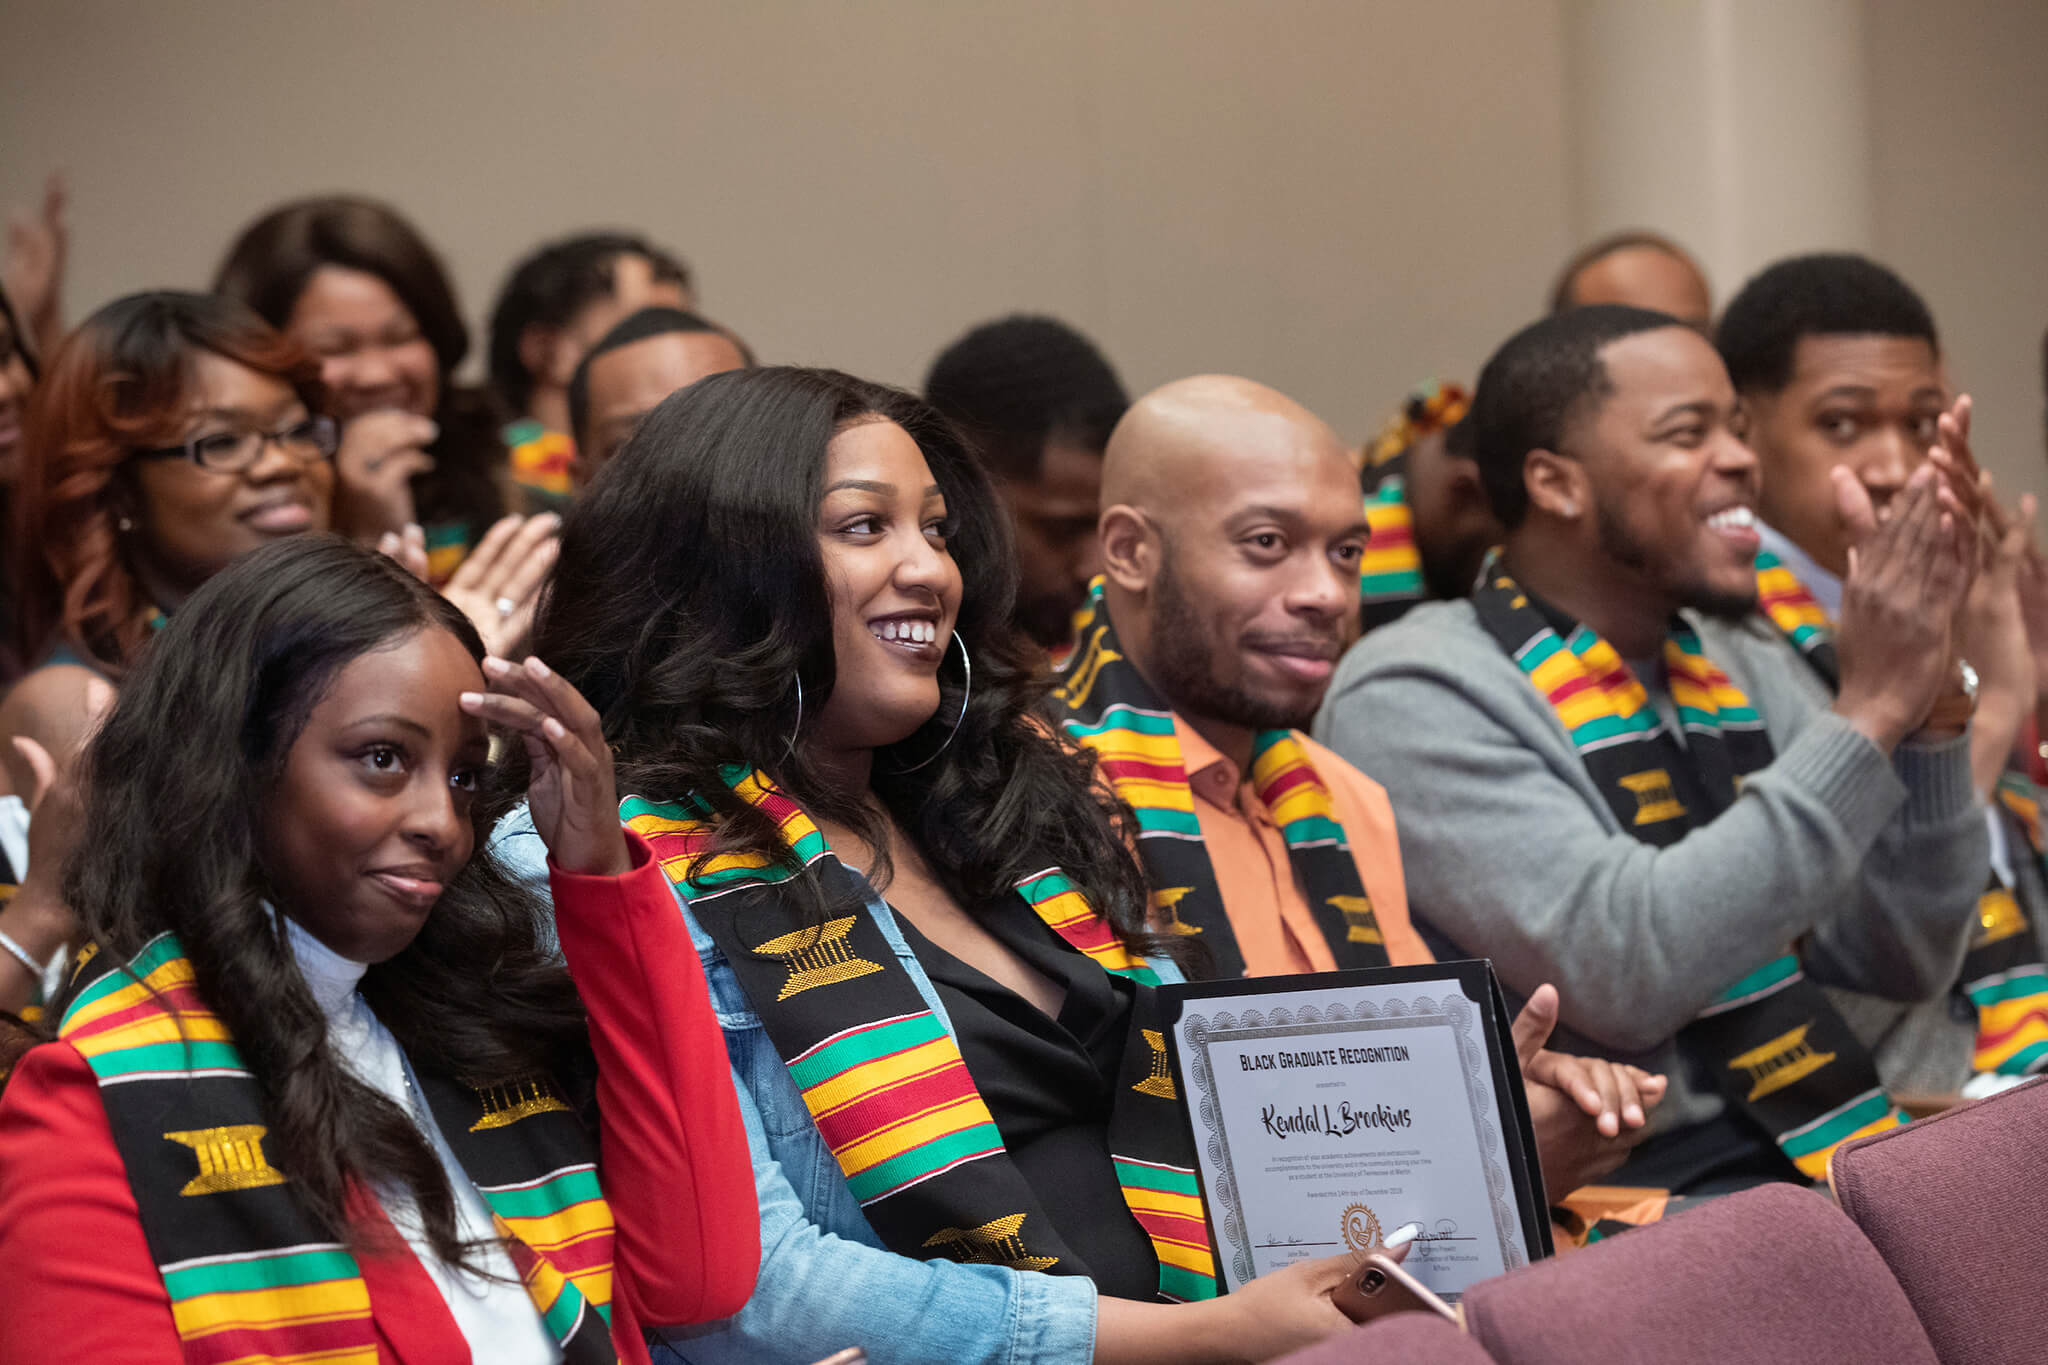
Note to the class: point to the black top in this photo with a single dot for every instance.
(1050, 1085)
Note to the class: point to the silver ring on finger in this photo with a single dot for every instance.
(506, 606)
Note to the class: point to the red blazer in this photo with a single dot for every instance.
(79, 1283)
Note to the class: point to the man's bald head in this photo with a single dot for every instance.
(1638, 270)
(1194, 440)
(1231, 533)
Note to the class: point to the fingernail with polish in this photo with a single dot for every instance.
(1402, 1236)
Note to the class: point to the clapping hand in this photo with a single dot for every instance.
(497, 586)
(571, 795)
(1902, 600)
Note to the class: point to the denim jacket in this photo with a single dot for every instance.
(826, 1280)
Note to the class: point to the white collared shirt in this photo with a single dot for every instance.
(494, 1314)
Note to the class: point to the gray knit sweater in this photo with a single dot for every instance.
(1511, 853)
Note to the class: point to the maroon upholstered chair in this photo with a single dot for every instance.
(1401, 1339)
(1775, 1273)
(1958, 1207)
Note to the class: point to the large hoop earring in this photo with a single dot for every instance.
(966, 691)
(790, 747)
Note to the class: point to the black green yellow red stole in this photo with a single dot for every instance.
(251, 1276)
(2004, 974)
(1390, 572)
(883, 1077)
(1106, 706)
(1784, 1056)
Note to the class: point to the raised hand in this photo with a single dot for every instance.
(380, 452)
(33, 270)
(1908, 581)
(571, 795)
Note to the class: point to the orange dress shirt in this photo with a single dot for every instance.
(1268, 913)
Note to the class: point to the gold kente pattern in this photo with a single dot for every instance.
(1656, 802)
(1360, 926)
(1165, 912)
(1998, 917)
(1081, 680)
(1786, 1060)
(230, 1158)
(817, 957)
(993, 1243)
(505, 1105)
(1159, 1084)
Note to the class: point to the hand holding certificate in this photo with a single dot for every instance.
(1329, 1110)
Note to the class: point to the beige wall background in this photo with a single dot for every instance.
(1339, 197)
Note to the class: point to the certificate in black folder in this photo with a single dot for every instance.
(1330, 1109)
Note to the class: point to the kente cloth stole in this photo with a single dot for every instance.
(251, 1276)
(540, 458)
(1783, 1055)
(1390, 573)
(2004, 974)
(883, 1078)
(1106, 706)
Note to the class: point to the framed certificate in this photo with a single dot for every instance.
(1330, 1109)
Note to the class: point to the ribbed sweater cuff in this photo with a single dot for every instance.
(1939, 785)
(1846, 773)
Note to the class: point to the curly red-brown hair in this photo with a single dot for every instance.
(122, 382)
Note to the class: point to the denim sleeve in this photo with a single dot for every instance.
(819, 1293)
(522, 855)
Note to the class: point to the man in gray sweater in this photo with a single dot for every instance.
(1607, 777)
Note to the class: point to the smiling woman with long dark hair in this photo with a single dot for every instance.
(318, 1084)
(788, 598)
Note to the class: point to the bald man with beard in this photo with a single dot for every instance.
(1230, 535)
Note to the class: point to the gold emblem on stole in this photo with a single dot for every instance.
(230, 1158)
(993, 1243)
(505, 1105)
(817, 957)
(1360, 926)
(1087, 668)
(1998, 917)
(1159, 1084)
(1786, 1060)
(1655, 799)
(1166, 912)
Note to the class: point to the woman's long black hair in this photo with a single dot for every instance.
(690, 595)
(177, 782)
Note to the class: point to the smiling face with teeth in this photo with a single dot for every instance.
(1670, 488)
(895, 587)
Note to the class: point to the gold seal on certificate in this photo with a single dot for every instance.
(1328, 1108)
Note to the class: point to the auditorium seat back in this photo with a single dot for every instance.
(1958, 1207)
(1402, 1339)
(1776, 1273)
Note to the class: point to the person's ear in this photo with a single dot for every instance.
(1130, 547)
(1557, 485)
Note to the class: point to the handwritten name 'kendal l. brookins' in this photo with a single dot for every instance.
(1323, 1121)
(1327, 1056)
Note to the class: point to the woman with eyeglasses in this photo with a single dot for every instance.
(171, 434)
(788, 599)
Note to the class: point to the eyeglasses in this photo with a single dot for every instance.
(231, 452)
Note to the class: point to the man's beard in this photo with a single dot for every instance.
(1624, 549)
(1182, 659)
